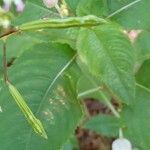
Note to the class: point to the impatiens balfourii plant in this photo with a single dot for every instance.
(50, 62)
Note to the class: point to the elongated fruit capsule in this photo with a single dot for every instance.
(85, 21)
(34, 122)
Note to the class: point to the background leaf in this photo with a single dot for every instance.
(142, 46)
(136, 119)
(88, 7)
(106, 125)
(109, 56)
(17, 44)
(89, 87)
(72, 5)
(34, 10)
(143, 75)
(134, 17)
(71, 144)
(54, 103)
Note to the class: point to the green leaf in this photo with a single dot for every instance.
(17, 44)
(64, 36)
(72, 144)
(142, 46)
(34, 10)
(143, 75)
(134, 14)
(88, 87)
(1, 66)
(38, 3)
(106, 125)
(88, 7)
(109, 56)
(46, 76)
(72, 5)
(137, 121)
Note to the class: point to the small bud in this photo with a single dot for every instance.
(133, 34)
(121, 144)
(50, 3)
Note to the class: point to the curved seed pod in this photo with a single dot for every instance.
(85, 21)
(34, 122)
(121, 144)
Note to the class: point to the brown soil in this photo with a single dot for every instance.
(89, 140)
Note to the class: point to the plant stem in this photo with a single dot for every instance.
(80, 95)
(9, 32)
(120, 133)
(123, 8)
(111, 107)
(5, 61)
(59, 10)
(107, 102)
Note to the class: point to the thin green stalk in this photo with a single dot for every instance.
(121, 133)
(123, 8)
(59, 10)
(109, 104)
(82, 94)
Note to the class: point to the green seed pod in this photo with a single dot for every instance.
(85, 21)
(33, 121)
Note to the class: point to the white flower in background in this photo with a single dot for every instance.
(121, 144)
(18, 3)
(50, 3)
(7, 4)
